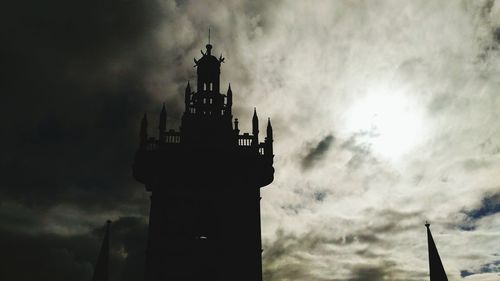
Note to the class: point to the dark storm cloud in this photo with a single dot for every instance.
(317, 152)
(55, 257)
(80, 75)
(46, 257)
(74, 96)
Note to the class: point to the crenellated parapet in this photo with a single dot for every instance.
(244, 142)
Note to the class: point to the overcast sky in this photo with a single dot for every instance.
(385, 114)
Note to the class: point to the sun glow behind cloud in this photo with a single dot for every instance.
(390, 122)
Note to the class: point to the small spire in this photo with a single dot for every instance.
(255, 125)
(209, 46)
(187, 95)
(143, 134)
(229, 96)
(269, 129)
(101, 270)
(163, 119)
(436, 269)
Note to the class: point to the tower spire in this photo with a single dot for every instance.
(163, 124)
(143, 135)
(101, 270)
(209, 35)
(269, 129)
(187, 95)
(229, 96)
(255, 127)
(163, 119)
(436, 268)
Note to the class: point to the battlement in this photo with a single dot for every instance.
(244, 142)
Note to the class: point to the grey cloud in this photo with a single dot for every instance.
(371, 272)
(317, 152)
(491, 267)
(439, 103)
(476, 164)
(496, 35)
(360, 149)
(290, 254)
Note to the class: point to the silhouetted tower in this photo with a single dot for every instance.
(101, 270)
(436, 269)
(205, 181)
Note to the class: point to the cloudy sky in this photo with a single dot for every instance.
(386, 114)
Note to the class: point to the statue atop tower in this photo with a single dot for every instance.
(205, 180)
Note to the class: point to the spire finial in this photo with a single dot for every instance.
(427, 224)
(209, 46)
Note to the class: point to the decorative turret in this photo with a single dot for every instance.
(255, 126)
(269, 130)
(229, 103)
(163, 123)
(208, 70)
(143, 135)
(187, 95)
(269, 140)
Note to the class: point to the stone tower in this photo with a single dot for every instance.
(205, 182)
